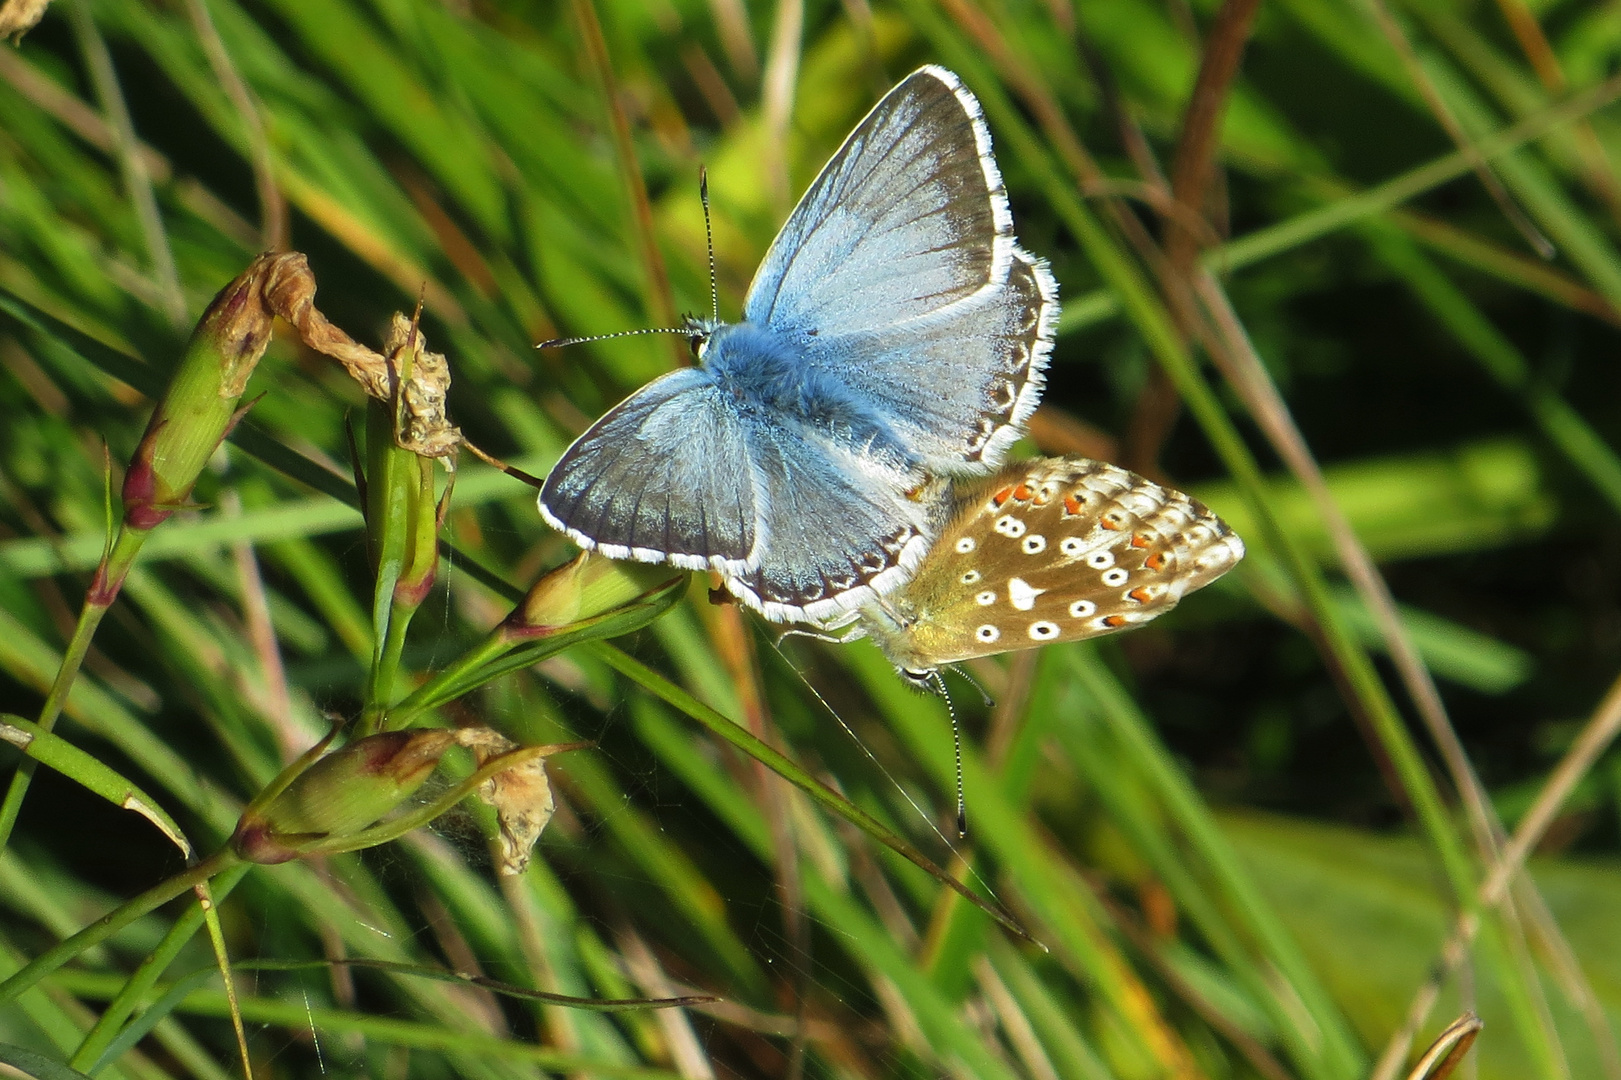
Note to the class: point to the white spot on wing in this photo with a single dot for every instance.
(1022, 595)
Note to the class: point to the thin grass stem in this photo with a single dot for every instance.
(114, 921)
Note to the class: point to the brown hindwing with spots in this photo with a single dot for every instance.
(1054, 549)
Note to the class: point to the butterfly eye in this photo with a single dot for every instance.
(1010, 526)
(1100, 560)
(965, 545)
(986, 598)
(1043, 630)
(1072, 546)
(1035, 545)
(969, 577)
(1082, 608)
(1117, 576)
(987, 633)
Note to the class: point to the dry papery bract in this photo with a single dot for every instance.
(405, 371)
(521, 796)
(17, 17)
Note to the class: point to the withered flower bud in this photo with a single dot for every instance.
(341, 794)
(200, 405)
(405, 432)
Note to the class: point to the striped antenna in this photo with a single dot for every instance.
(558, 343)
(709, 242)
(694, 329)
(937, 683)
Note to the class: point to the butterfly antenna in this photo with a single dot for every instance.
(984, 695)
(558, 343)
(939, 685)
(709, 242)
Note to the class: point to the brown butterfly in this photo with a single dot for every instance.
(1052, 549)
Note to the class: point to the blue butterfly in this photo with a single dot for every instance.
(894, 337)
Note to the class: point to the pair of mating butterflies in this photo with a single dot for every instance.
(834, 456)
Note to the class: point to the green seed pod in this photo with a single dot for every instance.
(341, 794)
(586, 587)
(402, 515)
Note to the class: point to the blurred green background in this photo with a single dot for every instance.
(1208, 822)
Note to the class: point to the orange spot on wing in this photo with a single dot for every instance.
(1109, 523)
(1114, 622)
(1140, 540)
(1072, 505)
(1141, 594)
(1002, 496)
(1154, 561)
(1022, 492)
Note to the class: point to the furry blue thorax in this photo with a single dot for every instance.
(774, 374)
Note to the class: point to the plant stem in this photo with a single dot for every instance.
(115, 920)
(147, 974)
(384, 670)
(103, 591)
(433, 692)
(740, 737)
